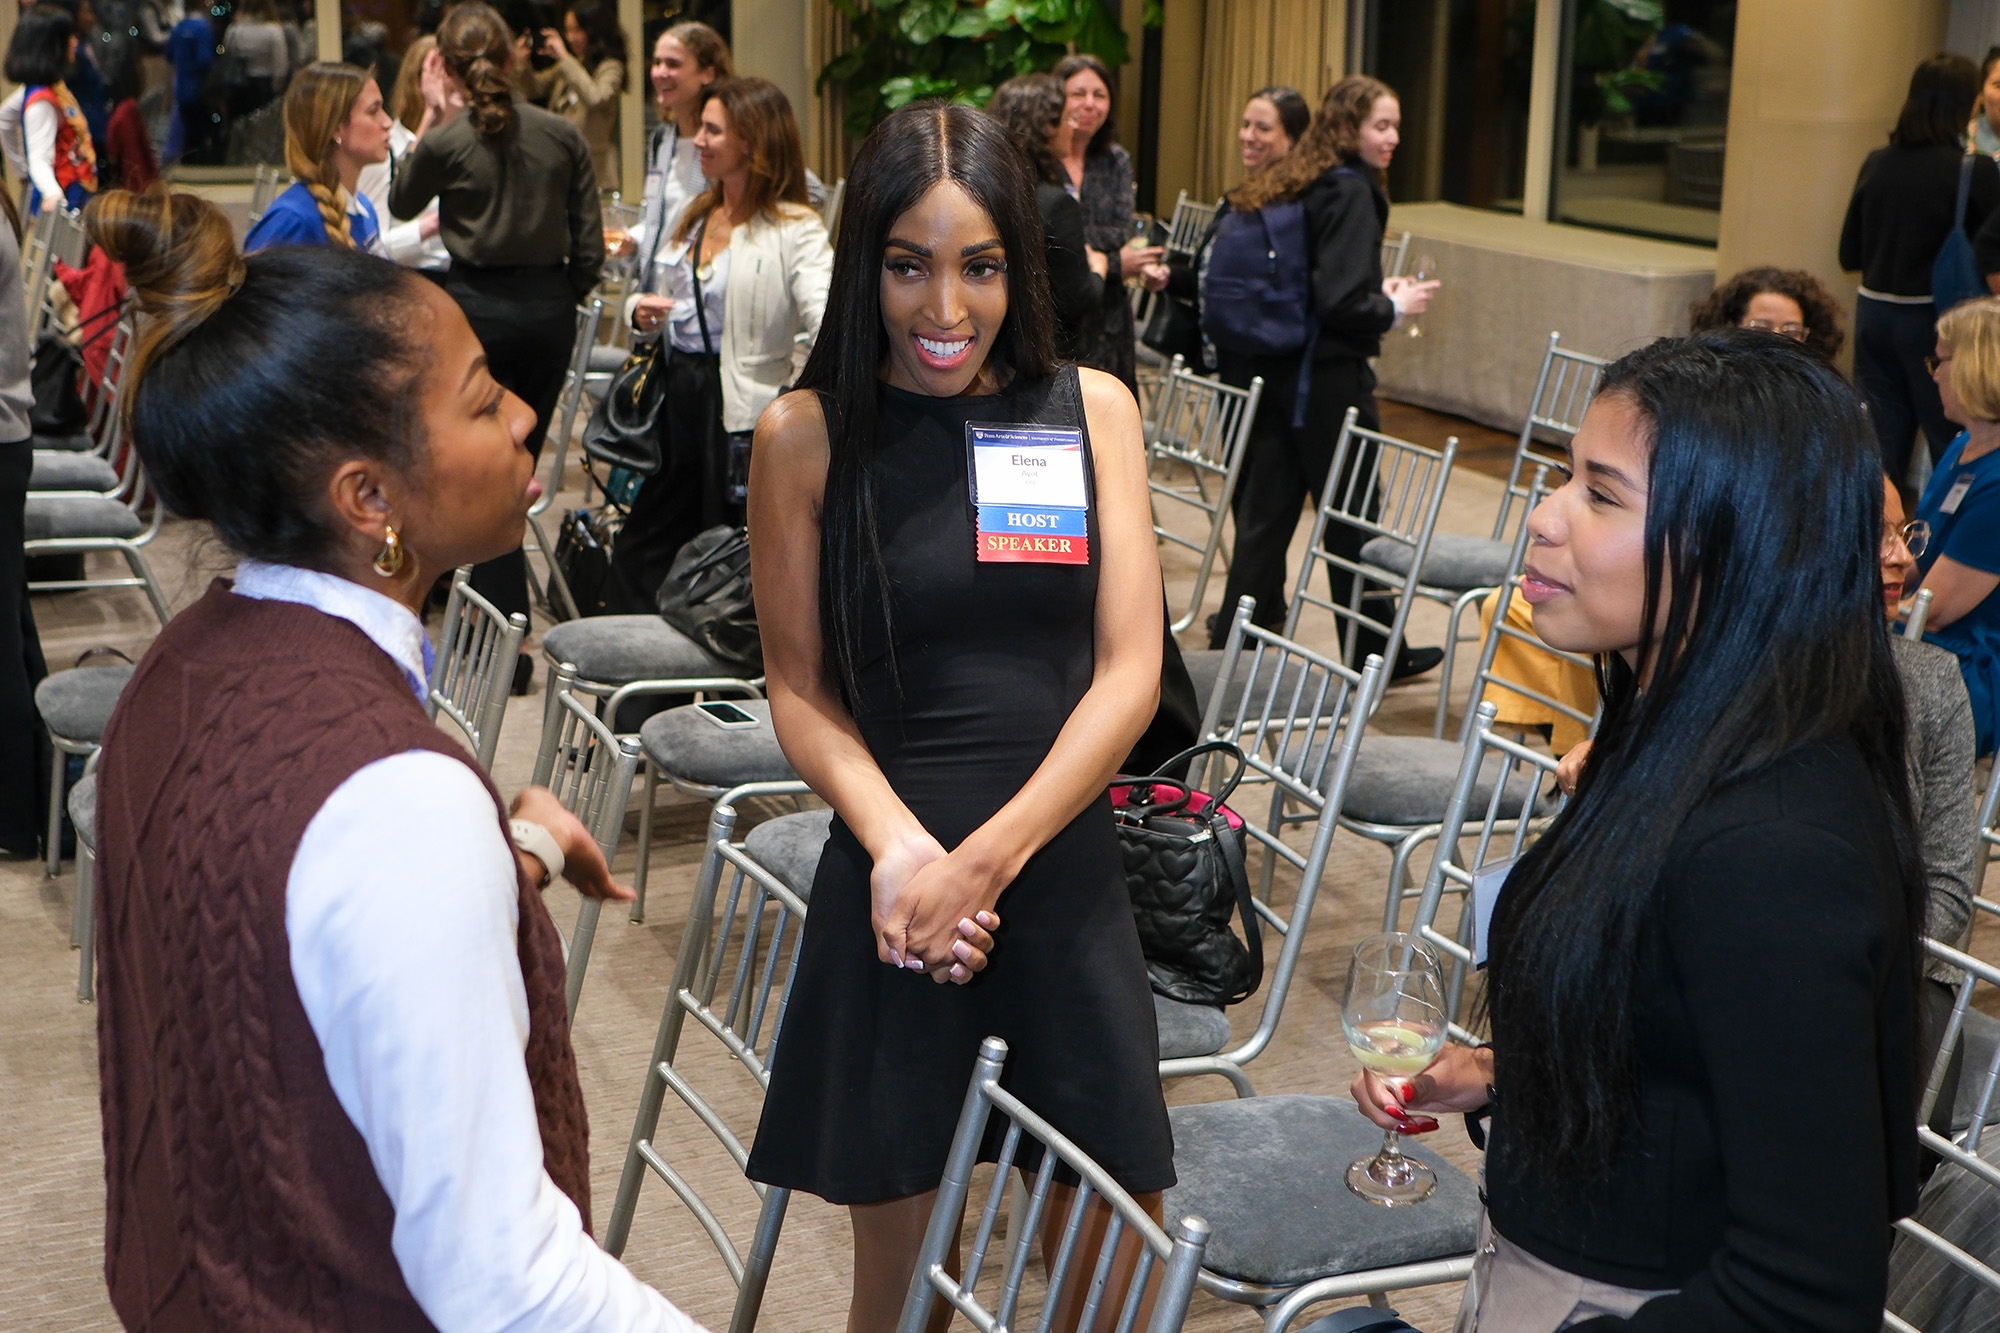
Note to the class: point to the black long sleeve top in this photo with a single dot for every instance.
(1776, 1031)
(1900, 213)
(1075, 291)
(1346, 213)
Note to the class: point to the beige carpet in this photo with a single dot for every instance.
(51, 1174)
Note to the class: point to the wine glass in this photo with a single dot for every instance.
(1394, 1016)
(1427, 271)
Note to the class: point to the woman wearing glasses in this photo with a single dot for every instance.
(1786, 301)
(1961, 506)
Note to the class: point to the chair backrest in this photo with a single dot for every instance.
(733, 979)
(66, 241)
(475, 666)
(1177, 1256)
(1920, 614)
(264, 187)
(1381, 486)
(1190, 220)
(589, 321)
(1512, 818)
(590, 770)
(1989, 836)
(1299, 718)
(1194, 455)
(1395, 252)
(1563, 390)
(830, 211)
(1941, 1271)
(1489, 677)
(36, 266)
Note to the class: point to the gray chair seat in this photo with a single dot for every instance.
(1269, 1175)
(1455, 561)
(66, 517)
(1205, 669)
(1979, 1036)
(606, 359)
(1407, 780)
(83, 811)
(1189, 1029)
(79, 443)
(789, 847)
(687, 744)
(75, 704)
(617, 649)
(55, 470)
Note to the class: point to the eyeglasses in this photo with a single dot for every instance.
(1915, 535)
(1931, 363)
(1796, 332)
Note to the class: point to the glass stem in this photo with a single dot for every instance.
(1392, 1146)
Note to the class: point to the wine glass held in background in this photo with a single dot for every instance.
(1427, 271)
(1393, 1014)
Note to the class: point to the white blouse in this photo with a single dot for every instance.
(402, 908)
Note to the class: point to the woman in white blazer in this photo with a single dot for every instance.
(740, 284)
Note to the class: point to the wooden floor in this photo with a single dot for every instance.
(51, 1172)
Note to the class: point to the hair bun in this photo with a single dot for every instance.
(179, 254)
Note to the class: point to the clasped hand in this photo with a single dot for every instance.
(931, 910)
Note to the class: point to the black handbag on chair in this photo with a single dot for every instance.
(624, 427)
(1182, 852)
(707, 597)
(583, 554)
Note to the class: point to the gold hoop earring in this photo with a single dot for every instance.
(389, 560)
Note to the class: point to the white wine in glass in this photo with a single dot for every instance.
(1393, 1014)
(1427, 271)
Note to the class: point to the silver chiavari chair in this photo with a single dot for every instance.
(732, 980)
(590, 771)
(1920, 614)
(1395, 253)
(1194, 454)
(1176, 1258)
(1189, 220)
(558, 600)
(475, 666)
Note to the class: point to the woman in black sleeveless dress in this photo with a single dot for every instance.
(958, 674)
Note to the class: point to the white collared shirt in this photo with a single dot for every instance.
(402, 909)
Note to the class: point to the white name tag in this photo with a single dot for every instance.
(1956, 495)
(1029, 493)
(1487, 881)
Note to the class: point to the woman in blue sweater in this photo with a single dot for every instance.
(335, 124)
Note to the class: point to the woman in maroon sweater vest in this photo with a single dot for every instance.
(338, 1088)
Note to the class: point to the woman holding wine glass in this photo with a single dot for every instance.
(1702, 1081)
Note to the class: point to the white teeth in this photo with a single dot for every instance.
(941, 349)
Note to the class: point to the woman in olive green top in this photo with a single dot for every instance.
(517, 210)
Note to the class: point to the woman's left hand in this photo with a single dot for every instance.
(583, 860)
(944, 918)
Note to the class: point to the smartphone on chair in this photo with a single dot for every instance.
(728, 716)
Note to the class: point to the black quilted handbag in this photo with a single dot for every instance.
(1182, 851)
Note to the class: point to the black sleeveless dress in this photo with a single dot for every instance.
(872, 1066)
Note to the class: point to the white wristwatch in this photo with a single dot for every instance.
(539, 843)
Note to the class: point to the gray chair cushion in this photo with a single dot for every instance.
(1205, 669)
(606, 359)
(83, 811)
(1189, 1029)
(79, 443)
(1268, 1174)
(75, 704)
(71, 516)
(617, 649)
(57, 471)
(686, 743)
(1455, 561)
(1979, 1036)
(1407, 780)
(789, 847)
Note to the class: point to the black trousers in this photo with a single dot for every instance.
(1890, 344)
(1285, 467)
(689, 494)
(24, 747)
(526, 321)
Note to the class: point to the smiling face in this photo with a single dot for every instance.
(469, 500)
(1381, 132)
(722, 153)
(677, 76)
(1261, 137)
(1586, 566)
(1086, 105)
(944, 294)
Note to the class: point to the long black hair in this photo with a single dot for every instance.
(916, 147)
(1942, 92)
(1764, 508)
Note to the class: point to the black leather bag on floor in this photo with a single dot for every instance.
(706, 596)
(583, 553)
(1182, 853)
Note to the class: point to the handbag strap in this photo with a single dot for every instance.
(694, 276)
(1194, 752)
(1964, 190)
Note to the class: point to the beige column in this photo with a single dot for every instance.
(1180, 97)
(326, 25)
(1815, 89)
(631, 181)
(768, 40)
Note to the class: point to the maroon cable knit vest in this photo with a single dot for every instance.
(238, 1193)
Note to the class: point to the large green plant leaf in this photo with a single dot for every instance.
(924, 21)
